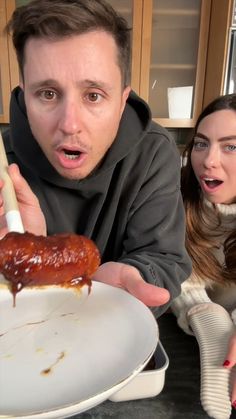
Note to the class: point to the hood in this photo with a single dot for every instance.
(134, 124)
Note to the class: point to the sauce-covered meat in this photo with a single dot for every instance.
(61, 259)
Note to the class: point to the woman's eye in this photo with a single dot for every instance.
(199, 145)
(231, 147)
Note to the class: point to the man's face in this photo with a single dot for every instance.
(74, 99)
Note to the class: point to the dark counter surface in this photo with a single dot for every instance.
(180, 397)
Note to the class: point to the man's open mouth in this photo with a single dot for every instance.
(71, 154)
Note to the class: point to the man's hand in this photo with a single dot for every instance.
(113, 273)
(230, 362)
(31, 213)
(128, 277)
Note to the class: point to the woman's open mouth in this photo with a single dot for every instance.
(212, 183)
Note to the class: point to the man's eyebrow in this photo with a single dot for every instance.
(44, 83)
(99, 84)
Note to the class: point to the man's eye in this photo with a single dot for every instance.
(94, 97)
(48, 94)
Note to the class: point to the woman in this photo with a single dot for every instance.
(207, 304)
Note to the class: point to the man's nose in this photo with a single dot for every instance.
(212, 158)
(70, 118)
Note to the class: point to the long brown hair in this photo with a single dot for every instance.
(200, 246)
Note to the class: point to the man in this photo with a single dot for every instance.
(89, 151)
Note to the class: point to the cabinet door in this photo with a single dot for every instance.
(174, 47)
(218, 48)
(4, 66)
(4, 72)
(9, 76)
(132, 11)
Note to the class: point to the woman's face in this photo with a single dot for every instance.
(213, 156)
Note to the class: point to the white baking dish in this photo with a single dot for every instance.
(148, 383)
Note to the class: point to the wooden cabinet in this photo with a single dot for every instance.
(170, 55)
(218, 48)
(7, 60)
(174, 53)
(132, 11)
(169, 44)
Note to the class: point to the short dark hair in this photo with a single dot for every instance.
(56, 19)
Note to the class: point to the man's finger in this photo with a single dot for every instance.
(149, 294)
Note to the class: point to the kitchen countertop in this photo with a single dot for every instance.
(180, 397)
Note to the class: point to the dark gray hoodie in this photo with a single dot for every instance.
(131, 205)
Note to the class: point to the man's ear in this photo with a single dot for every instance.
(126, 92)
(21, 82)
(125, 95)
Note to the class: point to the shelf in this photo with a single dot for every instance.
(175, 123)
(166, 66)
(176, 12)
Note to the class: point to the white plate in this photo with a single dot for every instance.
(61, 353)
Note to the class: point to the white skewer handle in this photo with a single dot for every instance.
(13, 217)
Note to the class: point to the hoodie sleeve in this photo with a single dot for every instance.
(155, 237)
